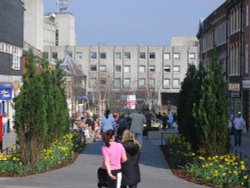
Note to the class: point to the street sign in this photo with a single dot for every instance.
(6, 92)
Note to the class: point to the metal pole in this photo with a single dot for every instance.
(1, 132)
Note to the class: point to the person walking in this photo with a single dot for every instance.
(5, 123)
(137, 121)
(239, 124)
(164, 121)
(130, 169)
(113, 155)
(107, 122)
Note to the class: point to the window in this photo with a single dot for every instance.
(176, 56)
(176, 82)
(176, 69)
(92, 82)
(126, 82)
(167, 56)
(117, 82)
(54, 55)
(118, 68)
(151, 82)
(103, 55)
(151, 55)
(166, 83)
(151, 68)
(247, 15)
(142, 55)
(16, 63)
(78, 55)
(126, 69)
(167, 68)
(127, 55)
(93, 55)
(57, 37)
(93, 68)
(102, 68)
(192, 56)
(142, 69)
(118, 55)
(142, 82)
(246, 58)
(102, 81)
(46, 55)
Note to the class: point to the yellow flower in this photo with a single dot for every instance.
(224, 174)
(243, 167)
(245, 177)
(236, 172)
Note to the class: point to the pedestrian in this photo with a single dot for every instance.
(89, 123)
(122, 126)
(113, 155)
(130, 169)
(239, 124)
(5, 123)
(107, 122)
(164, 121)
(137, 121)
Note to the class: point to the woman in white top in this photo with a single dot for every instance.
(107, 122)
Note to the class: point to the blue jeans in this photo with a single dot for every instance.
(130, 186)
(139, 137)
(237, 137)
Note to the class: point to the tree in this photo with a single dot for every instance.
(41, 113)
(30, 114)
(190, 95)
(210, 113)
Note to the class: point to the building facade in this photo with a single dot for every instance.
(11, 48)
(33, 23)
(59, 29)
(229, 24)
(154, 73)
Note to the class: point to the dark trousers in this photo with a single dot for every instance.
(130, 186)
(237, 137)
(113, 183)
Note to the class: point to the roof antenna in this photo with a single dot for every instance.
(62, 5)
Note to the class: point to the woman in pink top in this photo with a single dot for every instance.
(113, 154)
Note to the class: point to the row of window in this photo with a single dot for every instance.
(142, 56)
(141, 83)
(127, 55)
(142, 68)
(16, 53)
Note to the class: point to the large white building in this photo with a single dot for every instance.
(59, 29)
(155, 69)
(33, 23)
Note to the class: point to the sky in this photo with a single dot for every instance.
(135, 22)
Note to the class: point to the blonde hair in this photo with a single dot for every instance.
(129, 135)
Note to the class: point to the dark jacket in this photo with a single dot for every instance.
(130, 169)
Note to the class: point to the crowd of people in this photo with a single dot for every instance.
(122, 135)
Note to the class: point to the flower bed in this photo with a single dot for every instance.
(60, 153)
(215, 171)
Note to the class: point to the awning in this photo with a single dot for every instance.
(83, 97)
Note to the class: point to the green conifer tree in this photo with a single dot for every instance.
(189, 95)
(211, 112)
(30, 114)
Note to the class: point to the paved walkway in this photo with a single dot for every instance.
(155, 171)
(82, 173)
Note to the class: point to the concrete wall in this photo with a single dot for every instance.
(33, 23)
